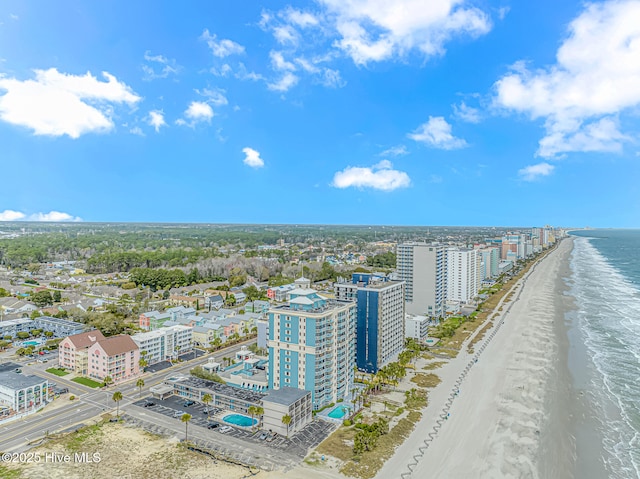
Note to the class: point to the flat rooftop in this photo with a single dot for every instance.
(285, 395)
(19, 381)
(218, 388)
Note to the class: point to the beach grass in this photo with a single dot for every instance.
(369, 463)
(435, 365)
(57, 371)
(339, 444)
(87, 382)
(426, 380)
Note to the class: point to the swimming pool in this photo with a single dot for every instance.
(240, 420)
(337, 413)
(31, 343)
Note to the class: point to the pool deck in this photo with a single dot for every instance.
(338, 420)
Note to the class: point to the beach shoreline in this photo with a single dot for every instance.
(509, 400)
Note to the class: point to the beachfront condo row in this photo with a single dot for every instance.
(312, 345)
(380, 321)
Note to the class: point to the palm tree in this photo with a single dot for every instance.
(143, 363)
(108, 381)
(216, 343)
(259, 413)
(140, 384)
(117, 397)
(206, 399)
(185, 418)
(252, 410)
(286, 420)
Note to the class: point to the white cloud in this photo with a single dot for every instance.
(377, 30)
(287, 81)
(595, 78)
(221, 48)
(466, 113)
(13, 16)
(156, 119)
(244, 74)
(399, 150)
(59, 104)
(11, 215)
(166, 66)
(199, 111)
(285, 34)
(381, 176)
(252, 158)
(437, 133)
(534, 172)
(54, 216)
(223, 71)
(332, 78)
(502, 12)
(136, 130)
(301, 19)
(215, 96)
(279, 63)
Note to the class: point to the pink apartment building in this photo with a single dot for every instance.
(117, 357)
(72, 351)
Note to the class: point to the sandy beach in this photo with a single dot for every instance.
(511, 401)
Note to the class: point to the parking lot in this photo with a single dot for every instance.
(297, 445)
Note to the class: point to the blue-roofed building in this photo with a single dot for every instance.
(380, 318)
(311, 345)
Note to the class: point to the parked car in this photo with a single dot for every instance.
(188, 403)
(224, 429)
(178, 413)
(149, 404)
(213, 425)
(272, 436)
(263, 436)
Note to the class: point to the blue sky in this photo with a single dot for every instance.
(447, 112)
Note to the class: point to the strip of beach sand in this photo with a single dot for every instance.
(511, 416)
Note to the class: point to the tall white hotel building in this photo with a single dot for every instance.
(463, 274)
(423, 268)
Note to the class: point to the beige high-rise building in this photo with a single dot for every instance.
(423, 268)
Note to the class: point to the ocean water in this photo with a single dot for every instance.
(605, 283)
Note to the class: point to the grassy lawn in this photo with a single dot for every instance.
(426, 380)
(57, 372)
(87, 382)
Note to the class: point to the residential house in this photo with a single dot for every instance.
(213, 302)
(195, 302)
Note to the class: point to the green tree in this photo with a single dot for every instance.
(48, 334)
(4, 344)
(259, 413)
(286, 420)
(22, 335)
(185, 418)
(57, 296)
(140, 385)
(206, 399)
(35, 314)
(108, 381)
(117, 397)
(4, 293)
(42, 299)
(216, 343)
(230, 300)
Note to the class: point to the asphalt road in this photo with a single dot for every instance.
(15, 436)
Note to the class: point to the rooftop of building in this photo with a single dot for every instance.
(86, 339)
(119, 344)
(15, 380)
(286, 396)
(219, 388)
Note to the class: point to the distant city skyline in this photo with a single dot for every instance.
(327, 112)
